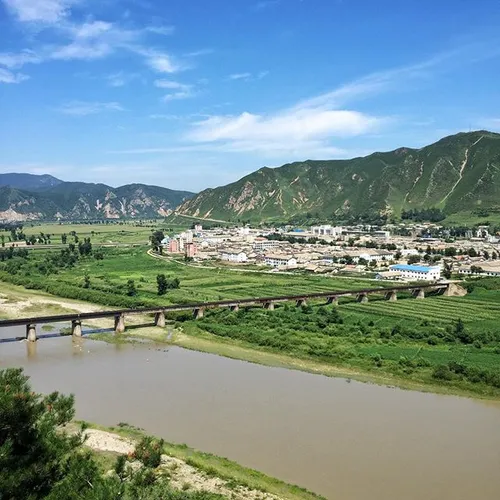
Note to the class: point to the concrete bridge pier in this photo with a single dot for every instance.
(391, 296)
(234, 308)
(269, 306)
(120, 323)
(31, 332)
(419, 294)
(301, 302)
(333, 300)
(76, 328)
(362, 298)
(199, 313)
(160, 319)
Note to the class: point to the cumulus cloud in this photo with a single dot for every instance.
(83, 108)
(161, 30)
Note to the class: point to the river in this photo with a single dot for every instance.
(345, 440)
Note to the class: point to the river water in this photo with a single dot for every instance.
(345, 440)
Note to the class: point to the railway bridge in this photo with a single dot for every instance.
(198, 309)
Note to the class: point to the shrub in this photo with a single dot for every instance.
(148, 451)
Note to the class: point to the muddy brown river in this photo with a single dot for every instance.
(345, 440)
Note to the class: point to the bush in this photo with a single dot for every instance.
(148, 451)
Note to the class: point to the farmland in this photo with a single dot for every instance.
(448, 344)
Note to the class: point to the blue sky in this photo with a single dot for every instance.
(190, 94)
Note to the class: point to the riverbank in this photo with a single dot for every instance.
(16, 301)
(191, 470)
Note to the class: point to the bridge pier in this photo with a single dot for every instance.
(31, 332)
(391, 296)
(234, 308)
(120, 323)
(301, 302)
(76, 328)
(269, 306)
(199, 313)
(362, 298)
(419, 294)
(333, 300)
(160, 319)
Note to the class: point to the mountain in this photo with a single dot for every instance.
(29, 182)
(459, 172)
(78, 200)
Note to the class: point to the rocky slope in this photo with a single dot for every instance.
(75, 200)
(459, 172)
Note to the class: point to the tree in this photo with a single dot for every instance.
(131, 289)
(32, 451)
(161, 281)
(86, 281)
(64, 238)
(413, 259)
(156, 239)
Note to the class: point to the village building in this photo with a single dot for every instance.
(417, 273)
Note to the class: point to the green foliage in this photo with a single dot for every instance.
(148, 451)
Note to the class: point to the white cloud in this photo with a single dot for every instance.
(169, 84)
(161, 30)
(82, 108)
(247, 76)
(11, 60)
(46, 11)
(183, 91)
(121, 78)
(81, 51)
(7, 76)
(161, 62)
(240, 76)
(290, 125)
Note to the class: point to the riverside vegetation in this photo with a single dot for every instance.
(42, 456)
(448, 344)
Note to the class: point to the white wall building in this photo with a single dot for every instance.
(326, 230)
(231, 256)
(280, 261)
(261, 244)
(417, 273)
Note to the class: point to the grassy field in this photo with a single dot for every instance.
(471, 219)
(131, 232)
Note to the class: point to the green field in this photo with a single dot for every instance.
(445, 342)
(130, 232)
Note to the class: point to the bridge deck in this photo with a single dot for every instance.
(214, 304)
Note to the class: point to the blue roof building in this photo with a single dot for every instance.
(415, 272)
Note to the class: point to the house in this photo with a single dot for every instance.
(280, 261)
(190, 250)
(418, 273)
(233, 256)
(389, 275)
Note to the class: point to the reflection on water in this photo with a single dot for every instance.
(348, 441)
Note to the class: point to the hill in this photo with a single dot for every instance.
(30, 182)
(78, 200)
(460, 172)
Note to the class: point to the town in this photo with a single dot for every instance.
(397, 252)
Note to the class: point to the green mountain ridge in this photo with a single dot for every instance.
(79, 200)
(457, 173)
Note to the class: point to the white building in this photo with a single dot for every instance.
(233, 256)
(261, 244)
(280, 261)
(326, 230)
(417, 273)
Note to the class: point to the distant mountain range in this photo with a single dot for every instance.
(37, 197)
(460, 172)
